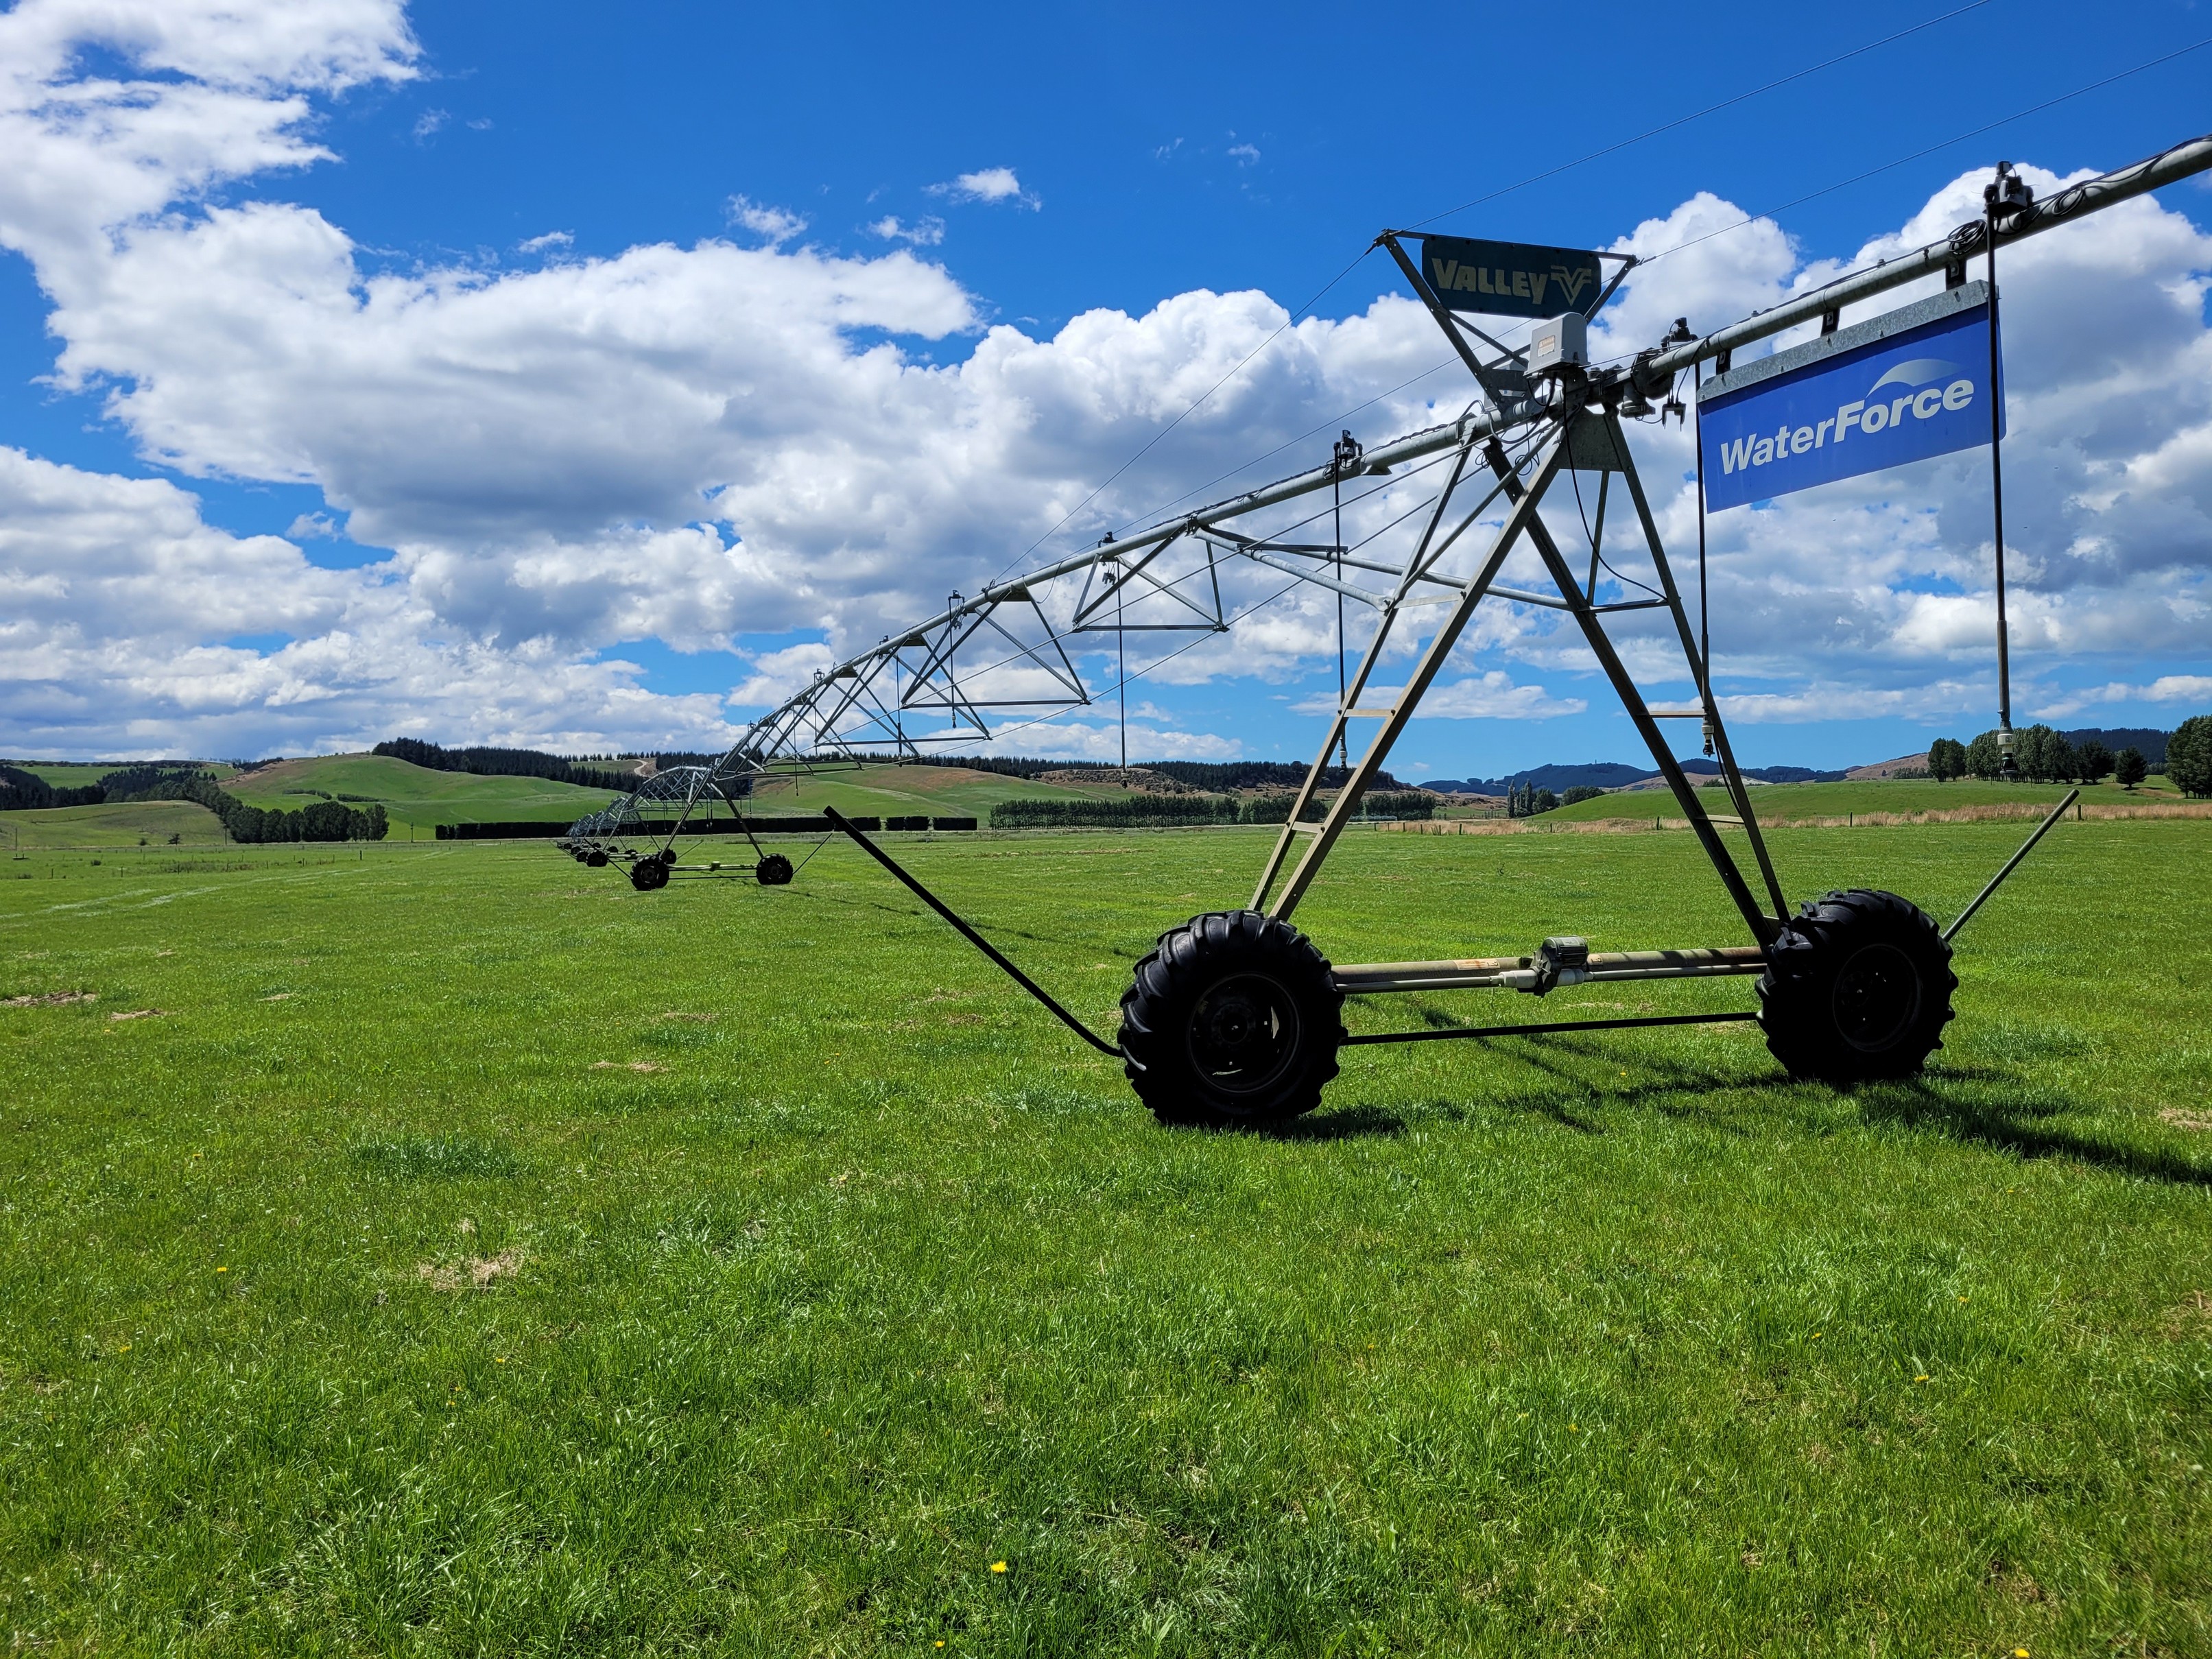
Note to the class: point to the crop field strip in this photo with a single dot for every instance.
(391, 1260)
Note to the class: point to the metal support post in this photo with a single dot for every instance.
(1704, 612)
(1999, 196)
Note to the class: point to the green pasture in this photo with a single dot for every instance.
(121, 824)
(414, 797)
(76, 774)
(446, 1249)
(1783, 801)
(417, 797)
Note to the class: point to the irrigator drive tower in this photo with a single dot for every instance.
(1236, 1017)
(676, 803)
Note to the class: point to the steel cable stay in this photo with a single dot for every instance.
(1236, 1017)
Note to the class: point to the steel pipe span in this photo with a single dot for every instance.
(807, 725)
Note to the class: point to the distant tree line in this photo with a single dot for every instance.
(1394, 803)
(22, 791)
(326, 820)
(1219, 776)
(2189, 756)
(1134, 811)
(1526, 801)
(493, 763)
(2042, 756)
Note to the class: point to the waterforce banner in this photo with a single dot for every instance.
(1900, 388)
(1510, 279)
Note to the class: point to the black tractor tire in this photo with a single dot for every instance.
(772, 870)
(649, 874)
(1232, 1020)
(1857, 989)
(595, 858)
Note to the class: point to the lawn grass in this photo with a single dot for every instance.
(462, 1252)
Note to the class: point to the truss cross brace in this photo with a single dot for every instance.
(1523, 518)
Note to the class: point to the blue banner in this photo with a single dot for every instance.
(1900, 388)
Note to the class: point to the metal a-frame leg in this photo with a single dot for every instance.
(1520, 518)
(1764, 927)
(1523, 518)
(1731, 774)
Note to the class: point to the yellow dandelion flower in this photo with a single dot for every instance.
(1922, 1377)
(222, 1270)
(998, 1566)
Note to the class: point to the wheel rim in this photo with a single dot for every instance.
(1244, 1034)
(1877, 997)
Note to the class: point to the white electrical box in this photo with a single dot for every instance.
(1558, 343)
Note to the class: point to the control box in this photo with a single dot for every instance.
(1559, 344)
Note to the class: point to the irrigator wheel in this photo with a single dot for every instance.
(649, 874)
(1233, 1019)
(772, 870)
(596, 859)
(1857, 989)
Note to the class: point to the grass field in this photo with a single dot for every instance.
(414, 797)
(417, 797)
(75, 775)
(120, 824)
(446, 1249)
(1815, 800)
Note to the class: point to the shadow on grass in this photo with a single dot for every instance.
(1569, 1064)
(1953, 1101)
(1344, 1123)
(2018, 1125)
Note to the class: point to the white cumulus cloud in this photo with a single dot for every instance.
(985, 184)
(696, 444)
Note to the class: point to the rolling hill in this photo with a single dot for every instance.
(117, 824)
(414, 797)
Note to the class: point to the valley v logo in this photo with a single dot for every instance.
(1450, 276)
(1510, 279)
(1841, 407)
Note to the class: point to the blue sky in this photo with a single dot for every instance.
(506, 171)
